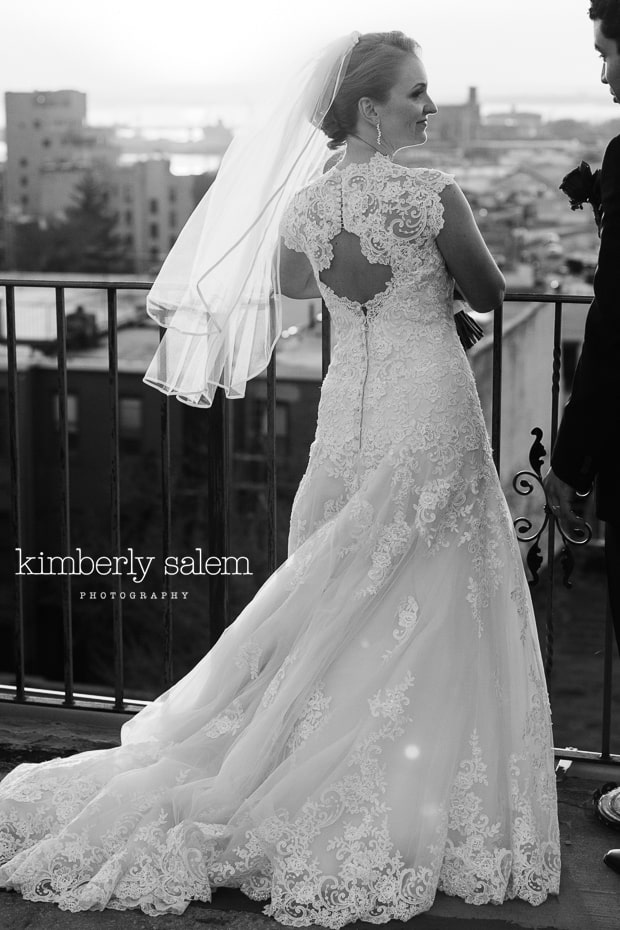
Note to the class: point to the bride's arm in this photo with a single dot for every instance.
(466, 255)
(296, 275)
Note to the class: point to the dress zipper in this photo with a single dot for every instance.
(365, 312)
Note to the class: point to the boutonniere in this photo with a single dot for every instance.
(582, 185)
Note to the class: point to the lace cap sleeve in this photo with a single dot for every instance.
(291, 225)
(435, 181)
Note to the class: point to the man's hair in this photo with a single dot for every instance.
(608, 11)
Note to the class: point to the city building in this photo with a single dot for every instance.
(216, 138)
(46, 137)
(205, 145)
(513, 124)
(152, 206)
(458, 125)
(50, 148)
(2, 213)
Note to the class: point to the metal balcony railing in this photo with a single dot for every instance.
(217, 479)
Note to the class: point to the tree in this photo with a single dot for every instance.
(85, 240)
(30, 245)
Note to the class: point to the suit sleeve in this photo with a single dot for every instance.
(591, 416)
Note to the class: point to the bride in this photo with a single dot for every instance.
(375, 725)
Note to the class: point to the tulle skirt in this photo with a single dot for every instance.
(372, 728)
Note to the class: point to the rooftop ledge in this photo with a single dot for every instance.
(589, 897)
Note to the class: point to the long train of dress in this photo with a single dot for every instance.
(375, 725)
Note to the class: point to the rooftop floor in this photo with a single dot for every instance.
(589, 897)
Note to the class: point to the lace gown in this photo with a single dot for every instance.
(375, 725)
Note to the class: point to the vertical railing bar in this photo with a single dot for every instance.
(557, 363)
(272, 524)
(607, 684)
(16, 491)
(218, 511)
(115, 506)
(65, 511)
(610, 550)
(326, 346)
(555, 405)
(496, 403)
(166, 530)
(225, 497)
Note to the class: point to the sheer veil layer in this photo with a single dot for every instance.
(218, 291)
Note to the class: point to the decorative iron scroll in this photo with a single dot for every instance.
(524, 483)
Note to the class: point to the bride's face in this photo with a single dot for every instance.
(405, 113)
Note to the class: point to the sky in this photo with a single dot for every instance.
(138, 58)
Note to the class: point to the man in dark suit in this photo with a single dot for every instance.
(587, 443)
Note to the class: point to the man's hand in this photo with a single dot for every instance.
(566, 505)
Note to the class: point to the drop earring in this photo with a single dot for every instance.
(378, 132)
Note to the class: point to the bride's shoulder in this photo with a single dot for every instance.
(431, 178)
(304, 202)
(310, 191)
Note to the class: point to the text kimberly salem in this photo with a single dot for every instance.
(132, 565)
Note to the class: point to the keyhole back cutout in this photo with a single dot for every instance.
(350, 274)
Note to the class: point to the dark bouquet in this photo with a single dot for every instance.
(582, 185)
(468, 330)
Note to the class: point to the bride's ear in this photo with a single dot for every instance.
(367, 110)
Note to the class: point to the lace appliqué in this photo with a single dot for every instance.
(480, 869)
(302, 561)
(314, 715)
(390, 702)
(409, 210)
(394, 539)
(406, 619)
(361, 513)
(249, 656)
(274, 685)
(229, 721)
(373, 882)
(520, 596)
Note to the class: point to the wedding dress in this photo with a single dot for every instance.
(375, 725)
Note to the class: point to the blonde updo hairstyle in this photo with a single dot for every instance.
(372, 71)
